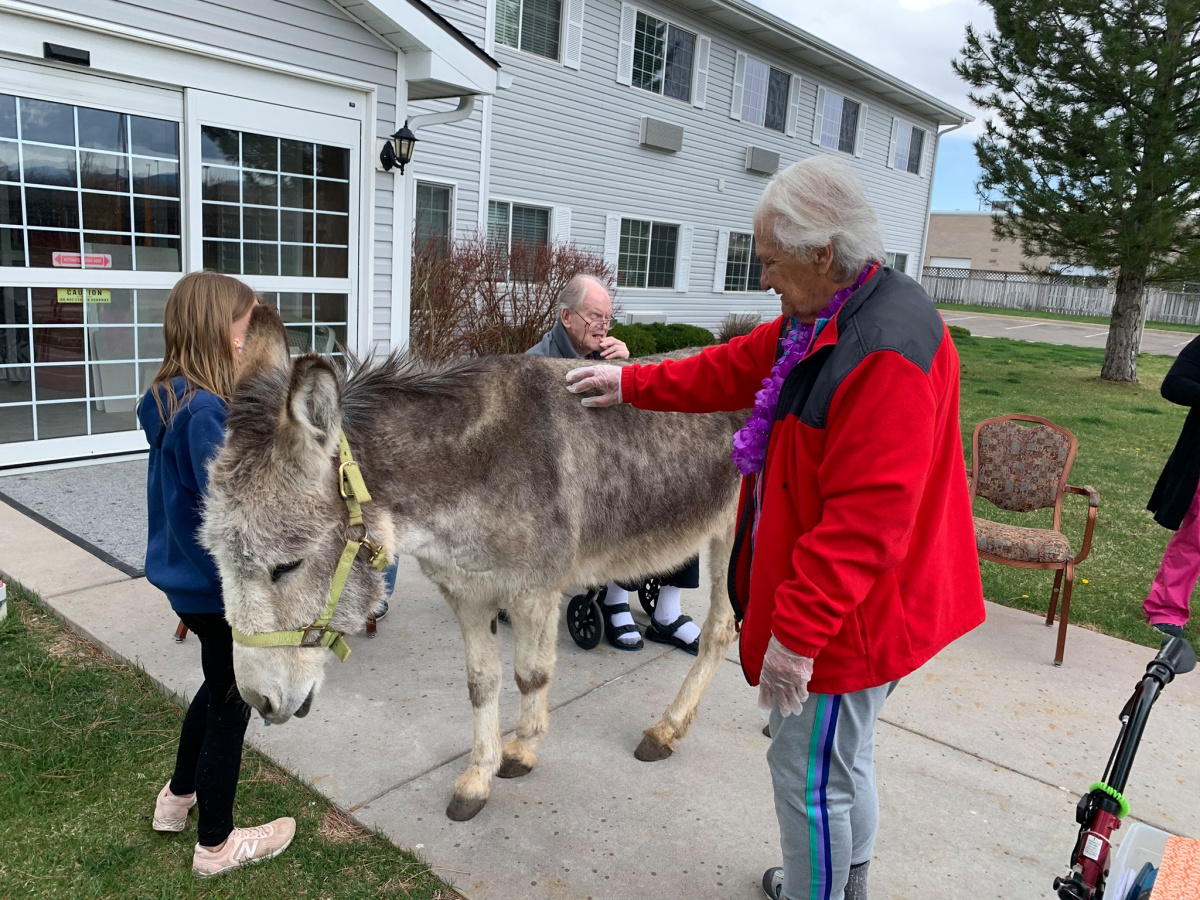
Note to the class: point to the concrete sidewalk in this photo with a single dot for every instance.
(981, 755)
(1057, 331)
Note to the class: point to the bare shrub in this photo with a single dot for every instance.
(736, 324)
(475, 297)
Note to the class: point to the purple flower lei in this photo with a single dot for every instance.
(750, 443)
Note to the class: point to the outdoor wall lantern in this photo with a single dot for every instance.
(398, 150)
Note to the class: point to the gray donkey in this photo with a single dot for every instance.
(497, 480)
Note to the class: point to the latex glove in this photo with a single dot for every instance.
(784, 679)
(605, 379)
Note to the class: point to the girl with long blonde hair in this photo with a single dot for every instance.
(183, 415)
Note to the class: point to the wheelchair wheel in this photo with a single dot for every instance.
(648, 594)
(585, 620)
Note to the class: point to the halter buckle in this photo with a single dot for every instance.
(345, 487)
(312, 635)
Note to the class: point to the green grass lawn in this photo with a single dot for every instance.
(85, 745)
(1059, 317)
(1125, 434)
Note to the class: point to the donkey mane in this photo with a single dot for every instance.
(367, 385)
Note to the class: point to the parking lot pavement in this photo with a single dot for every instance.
(1050, 331)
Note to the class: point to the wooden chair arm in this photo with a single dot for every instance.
(1093, 504)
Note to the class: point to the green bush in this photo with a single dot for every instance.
(655, 337)
(957, 331)
(635, 338)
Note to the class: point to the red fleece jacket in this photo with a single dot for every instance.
(865, 556)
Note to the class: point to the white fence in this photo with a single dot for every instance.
(1069, 294)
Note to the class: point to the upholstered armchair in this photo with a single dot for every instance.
(1021, 464)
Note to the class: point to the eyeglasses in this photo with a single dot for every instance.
(594, 320)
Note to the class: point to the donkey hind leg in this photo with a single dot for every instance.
(535, 630)
(658, 741)
(482, 647)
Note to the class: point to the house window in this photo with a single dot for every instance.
(87, 188)
(511, 224)
(647, 254)
(897, 261)
(433, 214)
(662, 58)
(274, 206)
(743, 270)
(910, 141)
(839, 125)
(765, 95)
(530, 25)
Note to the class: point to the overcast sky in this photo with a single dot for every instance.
(915, 41)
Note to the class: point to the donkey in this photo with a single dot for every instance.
(504, 488)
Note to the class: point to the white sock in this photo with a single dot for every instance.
(667, 609)
(617, 595)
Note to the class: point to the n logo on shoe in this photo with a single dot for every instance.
(246, 850)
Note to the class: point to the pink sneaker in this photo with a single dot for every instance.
(245, 846)
(171, 811)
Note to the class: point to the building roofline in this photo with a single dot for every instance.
(810, 45)
(454, 31)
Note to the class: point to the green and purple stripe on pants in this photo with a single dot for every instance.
(823, 771)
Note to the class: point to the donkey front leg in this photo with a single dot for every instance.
(535, 626)
(483, 685)
(658, 741)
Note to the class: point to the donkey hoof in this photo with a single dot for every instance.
(651, 750)
(511, 767)
(463, 808)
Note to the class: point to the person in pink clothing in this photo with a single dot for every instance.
(1176, 503)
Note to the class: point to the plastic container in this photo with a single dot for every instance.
(3, 600)
(1142, 844)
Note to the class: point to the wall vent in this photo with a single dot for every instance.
(660, 135)
(761, 161)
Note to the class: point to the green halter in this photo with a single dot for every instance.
(354, 492)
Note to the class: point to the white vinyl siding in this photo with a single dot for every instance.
(545, 153)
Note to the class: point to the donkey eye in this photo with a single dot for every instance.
(279, 571)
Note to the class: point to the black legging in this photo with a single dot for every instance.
(209, 759)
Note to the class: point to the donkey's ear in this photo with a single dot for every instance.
(266, 344)
(313, 414)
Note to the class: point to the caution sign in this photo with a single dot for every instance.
(81, 295)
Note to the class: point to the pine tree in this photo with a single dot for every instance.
(1094, 136)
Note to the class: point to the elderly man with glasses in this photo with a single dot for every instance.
(585, 311)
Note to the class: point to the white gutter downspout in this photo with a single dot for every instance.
(466, 106)
(929, 200)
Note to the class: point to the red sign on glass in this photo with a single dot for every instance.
(64, 260)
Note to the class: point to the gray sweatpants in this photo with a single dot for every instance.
(823, 768)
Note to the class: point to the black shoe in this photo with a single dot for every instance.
(665, 634)
(1165, 628)
(612, 633)
(503, 616)
(772, 883)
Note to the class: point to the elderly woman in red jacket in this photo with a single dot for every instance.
(855, 557)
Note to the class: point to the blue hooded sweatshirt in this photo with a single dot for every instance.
(176, 564)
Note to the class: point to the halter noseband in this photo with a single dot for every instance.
(354, 493)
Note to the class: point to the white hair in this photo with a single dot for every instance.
(817, 202)
(572, 295)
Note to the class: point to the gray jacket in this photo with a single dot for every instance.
(556, 343)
